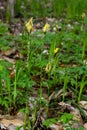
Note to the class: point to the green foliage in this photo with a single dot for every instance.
(5, 37)
(5, 85)
(66, 117)
(4, 28)
(37, 60)
(80, 128)
(49, 122)
(38, 8)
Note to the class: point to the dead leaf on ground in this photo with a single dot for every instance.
(83, 104)
(85, 125)
(12, 53)
(56, 127)
(9, 52)
(8, 59)
(15, 122)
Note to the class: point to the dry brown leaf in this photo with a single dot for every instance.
(56, 127)
(9, 52)
(83, 104)
(7, 59)
(76, 125)
(66, 105)
(76, 115)
(15, 122)
(12, 74)
(12, 53)
(20, 115)
(85, 125)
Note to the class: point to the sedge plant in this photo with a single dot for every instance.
(65, 86)
(81, 88)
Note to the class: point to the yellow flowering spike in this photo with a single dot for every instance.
(56, 50)
(48, 67)
(46, 27)
(29, 25)
(83, 15)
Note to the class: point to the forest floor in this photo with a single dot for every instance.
(43, 72)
